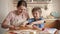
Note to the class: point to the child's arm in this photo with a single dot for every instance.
(37, 22)
(35, 27)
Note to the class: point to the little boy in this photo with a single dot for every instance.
(37, 21)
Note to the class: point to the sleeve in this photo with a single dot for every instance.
(42, 24)
(43, 20)
(8, 18)
(30, 20)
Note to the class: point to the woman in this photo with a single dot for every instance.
(17, 17)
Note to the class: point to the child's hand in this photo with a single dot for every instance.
(34, 26)
(42, 29)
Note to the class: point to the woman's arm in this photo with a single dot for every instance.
(6, 22)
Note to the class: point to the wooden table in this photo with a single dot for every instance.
(28, 31)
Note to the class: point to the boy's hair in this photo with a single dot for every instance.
(36, 9)
(22, 2)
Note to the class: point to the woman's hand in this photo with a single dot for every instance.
(17, 28)
(12, 27)
(29, 26)
(25, 23)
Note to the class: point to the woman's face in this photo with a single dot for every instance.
(21, 9)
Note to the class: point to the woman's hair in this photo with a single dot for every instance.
(21, 3)
(36, 9)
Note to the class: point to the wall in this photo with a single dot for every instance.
(5, 7)
(44, 12)
(56, 5)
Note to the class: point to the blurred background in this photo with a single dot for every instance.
(50, 10)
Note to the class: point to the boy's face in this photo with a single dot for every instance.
(36, 14)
